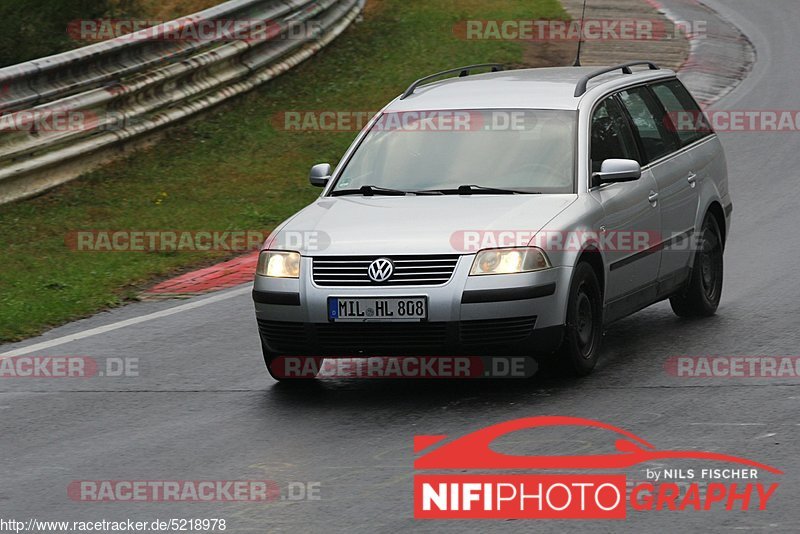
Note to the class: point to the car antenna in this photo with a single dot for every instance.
(580, 39)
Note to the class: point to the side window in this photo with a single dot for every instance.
(611, 134)
(650, 122)
(684, 115)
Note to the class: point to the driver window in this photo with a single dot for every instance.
(612, 137)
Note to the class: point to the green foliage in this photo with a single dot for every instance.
(30, 29)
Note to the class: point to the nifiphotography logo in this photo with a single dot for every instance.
(579, 486)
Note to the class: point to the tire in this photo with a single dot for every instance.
(280, 376)
(701, 296)
(583, 334)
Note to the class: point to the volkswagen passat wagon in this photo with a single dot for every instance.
(504, 213)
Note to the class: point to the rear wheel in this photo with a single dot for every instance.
(701, 296)
(584, 331)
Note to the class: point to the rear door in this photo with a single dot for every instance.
(688, 121)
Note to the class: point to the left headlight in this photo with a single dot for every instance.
(509, 261)
(279, 264)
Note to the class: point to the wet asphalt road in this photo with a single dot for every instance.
(204, 408)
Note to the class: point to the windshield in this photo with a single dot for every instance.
(525, 151)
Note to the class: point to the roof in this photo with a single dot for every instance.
(544, 88)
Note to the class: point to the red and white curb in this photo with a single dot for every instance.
(220, 276)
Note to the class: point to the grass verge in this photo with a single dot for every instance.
(232, 169)
(31, 29)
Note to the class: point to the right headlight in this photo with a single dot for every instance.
(279, 264)
(509, 261)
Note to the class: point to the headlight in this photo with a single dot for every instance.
(279, 264)
(509, 260)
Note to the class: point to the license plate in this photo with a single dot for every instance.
(378, 309)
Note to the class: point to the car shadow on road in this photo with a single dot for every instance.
(409, 393)
(634, 353)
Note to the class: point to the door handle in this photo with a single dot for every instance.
(653, 198)
(692, 179)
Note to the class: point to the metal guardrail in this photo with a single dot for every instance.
(128, 86)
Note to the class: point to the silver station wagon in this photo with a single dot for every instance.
(504, 213)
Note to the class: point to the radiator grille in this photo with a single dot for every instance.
(343, 271)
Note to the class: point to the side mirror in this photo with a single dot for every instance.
(320, 174)
(617, 170)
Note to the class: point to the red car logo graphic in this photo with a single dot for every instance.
(474, 451)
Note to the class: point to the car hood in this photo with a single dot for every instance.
(411, 224)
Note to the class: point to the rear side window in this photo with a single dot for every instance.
(650, 122)
(684, 115)
(611, 134)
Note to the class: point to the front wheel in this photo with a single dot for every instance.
(581, 346)
(700, 298)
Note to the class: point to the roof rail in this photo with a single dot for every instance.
(626, 69)
(463, 71)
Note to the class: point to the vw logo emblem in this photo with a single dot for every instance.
(381, 270)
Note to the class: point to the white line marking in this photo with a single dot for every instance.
(127, 322)
(719, 424)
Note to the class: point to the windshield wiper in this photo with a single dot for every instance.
(370, 190)
(471, 188)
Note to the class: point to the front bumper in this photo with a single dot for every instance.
(469, 315)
